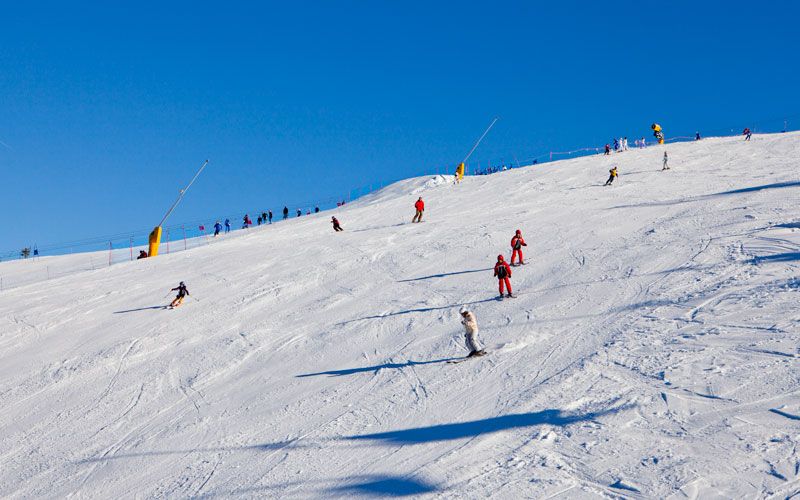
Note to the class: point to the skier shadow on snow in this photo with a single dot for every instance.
(420, 310)
(140, 309)
(444, 275)
(377, 227)
(474, 428)
(387, 366)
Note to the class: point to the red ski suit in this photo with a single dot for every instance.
(420, 205)
(504, 280)
(515, 242)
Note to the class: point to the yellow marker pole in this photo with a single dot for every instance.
(155, 234)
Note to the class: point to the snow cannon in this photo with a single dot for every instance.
(154, 241)
(657, 133)
(460, 171)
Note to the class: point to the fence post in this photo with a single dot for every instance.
(131, 248)
(109, 253)
(167, 241)
(184, 236)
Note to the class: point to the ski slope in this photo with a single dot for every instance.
(652, 351)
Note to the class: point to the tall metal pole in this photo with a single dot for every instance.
(479, 140)
(182, 193)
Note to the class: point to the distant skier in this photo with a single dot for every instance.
(642, 143)
(612, 175)
(285, 212)
(299, 212)
(616, 144)
(316, 210)
(264, 217)
(697, 136)
(246, 222)
(608, 150)
(182, 293)
(217, 228)
(258, 221)
(517, 242)
(747, 133)
(336, 226)
(471, 333)
(419, 206)
(142, 255)
(227, 226)
(269, 216)
(624, 143)
(666, 159)
(503, 272)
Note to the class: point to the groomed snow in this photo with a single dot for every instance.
(652, 351)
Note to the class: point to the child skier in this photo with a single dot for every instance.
(502, 271)
(419, 206)
(612, 175)
(336, 226)
(182, 293)
(665, 167)
(471, 333)
(217, 228)
(516, 248)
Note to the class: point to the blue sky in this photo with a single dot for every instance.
(107, 109)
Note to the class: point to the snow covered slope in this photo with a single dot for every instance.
(652, 350)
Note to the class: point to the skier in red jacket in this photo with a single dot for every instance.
(420, 207)
(336, 226)
(516, 247)
(503, 271)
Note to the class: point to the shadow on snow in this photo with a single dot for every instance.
(384, 486)
(751, 189)
(387, 366)
(474, 428)
(443, 275)
(140, 309)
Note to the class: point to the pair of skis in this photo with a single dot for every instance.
(477, 354)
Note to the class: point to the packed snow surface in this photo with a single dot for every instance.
(652, 350)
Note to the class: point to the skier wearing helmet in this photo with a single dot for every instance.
(503, 271)
(516, 248)
(182, 293)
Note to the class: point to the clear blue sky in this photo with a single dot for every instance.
(107, 109)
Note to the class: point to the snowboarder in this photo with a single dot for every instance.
(666, 158)
(142, 255)
(336, 226)
(471, 333)
(269, 216)
(182, 293)
(747, 133)
(285, 212)
(217, 228)
(517, 242)
(612, 175)
(502, 271)
(419, 206)
(227, 226)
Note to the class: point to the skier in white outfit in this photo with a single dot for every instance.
(471, 333)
